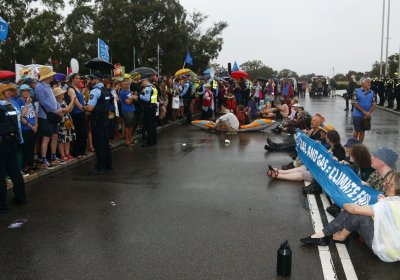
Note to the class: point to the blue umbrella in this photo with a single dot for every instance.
(207, 72)
(59, 76)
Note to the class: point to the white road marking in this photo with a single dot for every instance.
(328, 268)
(341, 248)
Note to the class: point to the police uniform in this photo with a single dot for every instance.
(187, 100)
(9, 138)
(100, 98)
(389, 92)
(381, 91)
(397, 94)
(149, 98)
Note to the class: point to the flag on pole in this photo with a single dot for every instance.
(3, 29)
(103, 50)
(188, 59)
(235, 67)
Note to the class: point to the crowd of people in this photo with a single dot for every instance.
(52, 122)
(377, 170)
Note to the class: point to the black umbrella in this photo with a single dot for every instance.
(262, 79)
(99, 64)
(145, 72)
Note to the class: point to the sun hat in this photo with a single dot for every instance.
(45, 72)
(25, 87)
(327, 127)
(135, 75)
(351, 142)
(387, 155)
(58, 91)
(9, 86)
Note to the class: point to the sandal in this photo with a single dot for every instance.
(273, 173)
(273, 169)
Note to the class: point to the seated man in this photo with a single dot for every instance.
(227, 122)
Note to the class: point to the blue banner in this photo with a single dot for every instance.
(338, 180)
(103, 49)
(235, 67)
(3, 29)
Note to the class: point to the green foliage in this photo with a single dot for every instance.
(47, 36)
(393, 62)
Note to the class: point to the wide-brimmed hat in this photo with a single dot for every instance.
(45, 72)
(135, 75)
(58, 91)
(25, 87)
(328, 127)
(4, 87)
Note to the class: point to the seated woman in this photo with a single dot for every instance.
(314, 133)
(301, 173)
(242, 115)
(281, 111)
(359, 218)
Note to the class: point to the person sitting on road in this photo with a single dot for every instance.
(359, 218)
(242, 115)
(227, 122)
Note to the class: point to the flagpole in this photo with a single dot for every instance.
(134, 57)
(158, 59)
(387, 39)
(382, 37)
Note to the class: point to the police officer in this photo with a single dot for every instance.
(9, 139)
(389, 88)
(149, 98)
(397, 93)
(99, 101)
(381, 91)
(186, 95)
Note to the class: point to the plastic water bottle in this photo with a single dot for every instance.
(284, 262)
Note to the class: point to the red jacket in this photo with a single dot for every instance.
(207, 98)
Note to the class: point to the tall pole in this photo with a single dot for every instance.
(383, 31)
(158, 59)
(387, 40)
(134, 58)
(398, 70)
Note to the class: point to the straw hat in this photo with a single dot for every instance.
(58, 91)
(328, 127)
(45, 72)
(4, 87)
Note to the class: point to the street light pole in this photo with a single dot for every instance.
(387, 40)
(383, 31)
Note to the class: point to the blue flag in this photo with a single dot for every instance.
(103, 50)
(3, 29)
(338, 180)
(188, 59)
(235, 67)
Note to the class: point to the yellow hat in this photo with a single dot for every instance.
(127, 76)
(58, 91)
(328, 127)
(207, 85)
(136, 75)
(45, 72)
(4, 87)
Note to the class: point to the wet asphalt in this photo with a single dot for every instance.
(201, 211)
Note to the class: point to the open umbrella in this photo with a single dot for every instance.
(262, 79)
(183, 72)
(59, 76)
(99, 64)
(237, 75)
(145, 72)
(4, 74)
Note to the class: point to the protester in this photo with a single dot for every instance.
(128, 110)
(66, 129)
(359, 218)
(207, 103)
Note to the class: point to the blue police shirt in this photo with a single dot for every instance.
(124, 95)
(95, 94)
(146, 96)
(185, 90)
(364, 99)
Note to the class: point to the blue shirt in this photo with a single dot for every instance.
(146, 96)
(30, 115)
(124, 95)
(185, 90)
(95, 94)
(79, 96)
(46, 99)
(364, 99)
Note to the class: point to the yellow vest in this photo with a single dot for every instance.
(154, 96)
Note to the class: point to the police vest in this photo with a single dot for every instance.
(154, 95)
(188, 94)
(8, 123)
(100, 111)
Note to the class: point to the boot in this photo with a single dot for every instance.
(313, 188)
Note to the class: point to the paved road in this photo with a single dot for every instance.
(204, 211)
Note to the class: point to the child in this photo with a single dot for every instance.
(66, 130)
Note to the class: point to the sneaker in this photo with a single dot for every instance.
(57, 160)
(47, 165)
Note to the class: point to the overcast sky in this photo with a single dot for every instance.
(303, 35)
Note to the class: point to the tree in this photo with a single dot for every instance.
(286, 73)
(393, 62)
(340, 77)
(256, 68)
